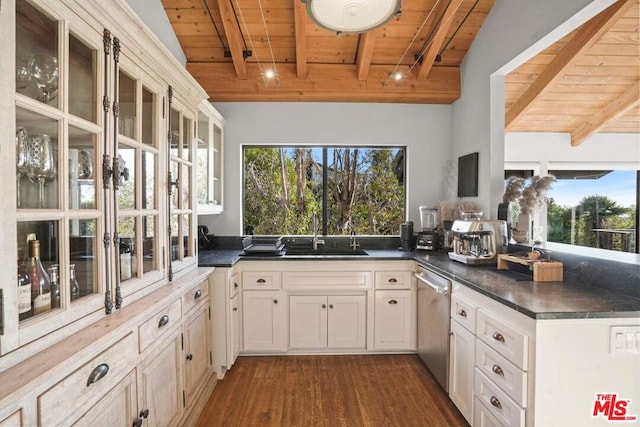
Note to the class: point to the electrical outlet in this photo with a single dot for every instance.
(625, 339)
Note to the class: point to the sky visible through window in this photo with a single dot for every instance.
(619, 186)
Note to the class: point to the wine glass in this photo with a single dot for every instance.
(42, 163)
(44, 71)
(23, 74)
(85, 165)
(22, 158)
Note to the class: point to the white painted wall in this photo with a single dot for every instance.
(424, 129)
(513, 31)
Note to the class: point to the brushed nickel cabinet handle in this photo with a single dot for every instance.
(393, 280)
(164, 320)
(97, 374)
(462, 313)
(498, 336)
(198, 294)
(497, 370)
(261, 281)
(393, 302)
(495, 402)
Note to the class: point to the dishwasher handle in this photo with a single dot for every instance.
(438, 289)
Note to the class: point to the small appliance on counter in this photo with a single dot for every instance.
(406, 236)
(428, 237)
(478, 241)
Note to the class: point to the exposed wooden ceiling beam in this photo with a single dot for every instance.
(329, 83)
(429, 57)
(581, 42)
(365, 53)
(625, 102)
(300, 17)
(234, 38)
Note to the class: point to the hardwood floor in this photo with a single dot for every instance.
(328, 390)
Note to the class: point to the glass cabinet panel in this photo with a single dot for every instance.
(149, 252)
(82, 161)
(37, 55)
(82, 75)
(127, 105)
(127, 249)
(82, 277)
(209, 160)
(148, 117)
(36, 161)
(127, 189)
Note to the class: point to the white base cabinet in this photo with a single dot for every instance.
(116, 408)
(461, 366)
(321, 321)
(394, 320)
(263, 320)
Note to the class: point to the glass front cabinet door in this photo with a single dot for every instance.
(209, 177)
(102, 125)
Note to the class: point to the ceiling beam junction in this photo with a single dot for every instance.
(429, 57)
(580, 43)
(615, 109)
(365, 53)
(234, 38)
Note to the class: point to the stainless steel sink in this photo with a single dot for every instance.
(325, 252)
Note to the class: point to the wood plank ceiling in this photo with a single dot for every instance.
(585, 83)
(313, 64)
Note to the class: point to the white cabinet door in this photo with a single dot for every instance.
(262, 320)
(347, 321)
(160, 384)
(233, 349)
(461, 369)
(393, 325)
(308, 321)
(197, 351)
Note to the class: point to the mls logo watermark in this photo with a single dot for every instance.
(612, 408)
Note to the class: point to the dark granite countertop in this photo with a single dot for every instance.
(538, 300)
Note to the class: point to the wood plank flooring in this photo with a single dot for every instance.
(329, 390)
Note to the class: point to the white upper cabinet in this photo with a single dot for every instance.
(209, 177)
(86, 122)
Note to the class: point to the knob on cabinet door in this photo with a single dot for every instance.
(144, 413)
(275, 301)
(189, 356)
(330, 305)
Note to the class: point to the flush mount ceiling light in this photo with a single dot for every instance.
(352, 16)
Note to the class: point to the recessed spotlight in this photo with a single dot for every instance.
(269, 74)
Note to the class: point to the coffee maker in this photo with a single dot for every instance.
(478, 241)
(428, 237)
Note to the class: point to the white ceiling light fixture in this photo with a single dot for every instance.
(352, 16)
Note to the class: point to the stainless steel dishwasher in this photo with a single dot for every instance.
(433, 323)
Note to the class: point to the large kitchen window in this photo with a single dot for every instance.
(348, 189)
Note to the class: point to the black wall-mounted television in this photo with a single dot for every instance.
(468, 175)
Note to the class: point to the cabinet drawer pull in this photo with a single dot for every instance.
(261, 281)
(498, 336)
(144, 413)
(235, 308)
(137, 422)
(235, 286)
(495, 402)
(393, 280)
(393, 302)
(497, 370)
(275, 301)
(164, 320)
(462, 313)
(189, 356)
(97, 374)
(330, 305)
(324, 305)
(198, 294)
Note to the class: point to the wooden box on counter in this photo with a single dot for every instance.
(543, 271)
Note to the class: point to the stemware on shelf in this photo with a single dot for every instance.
(44, 72)
(85, 165)
(42, 163)
(22, 158)
(23, 74)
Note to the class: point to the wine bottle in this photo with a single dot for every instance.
(73, 282)
(24, 294)
(55, 286)
(39, 279)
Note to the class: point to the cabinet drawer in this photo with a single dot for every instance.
(234, 285)
(503, 373)
(85, 386)
(507, 341)
(328, 280)
(393, 279)
(159, 324)
(195, 295)
(464, 312)
(496, 401)
(483, 417)
(261, 280)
